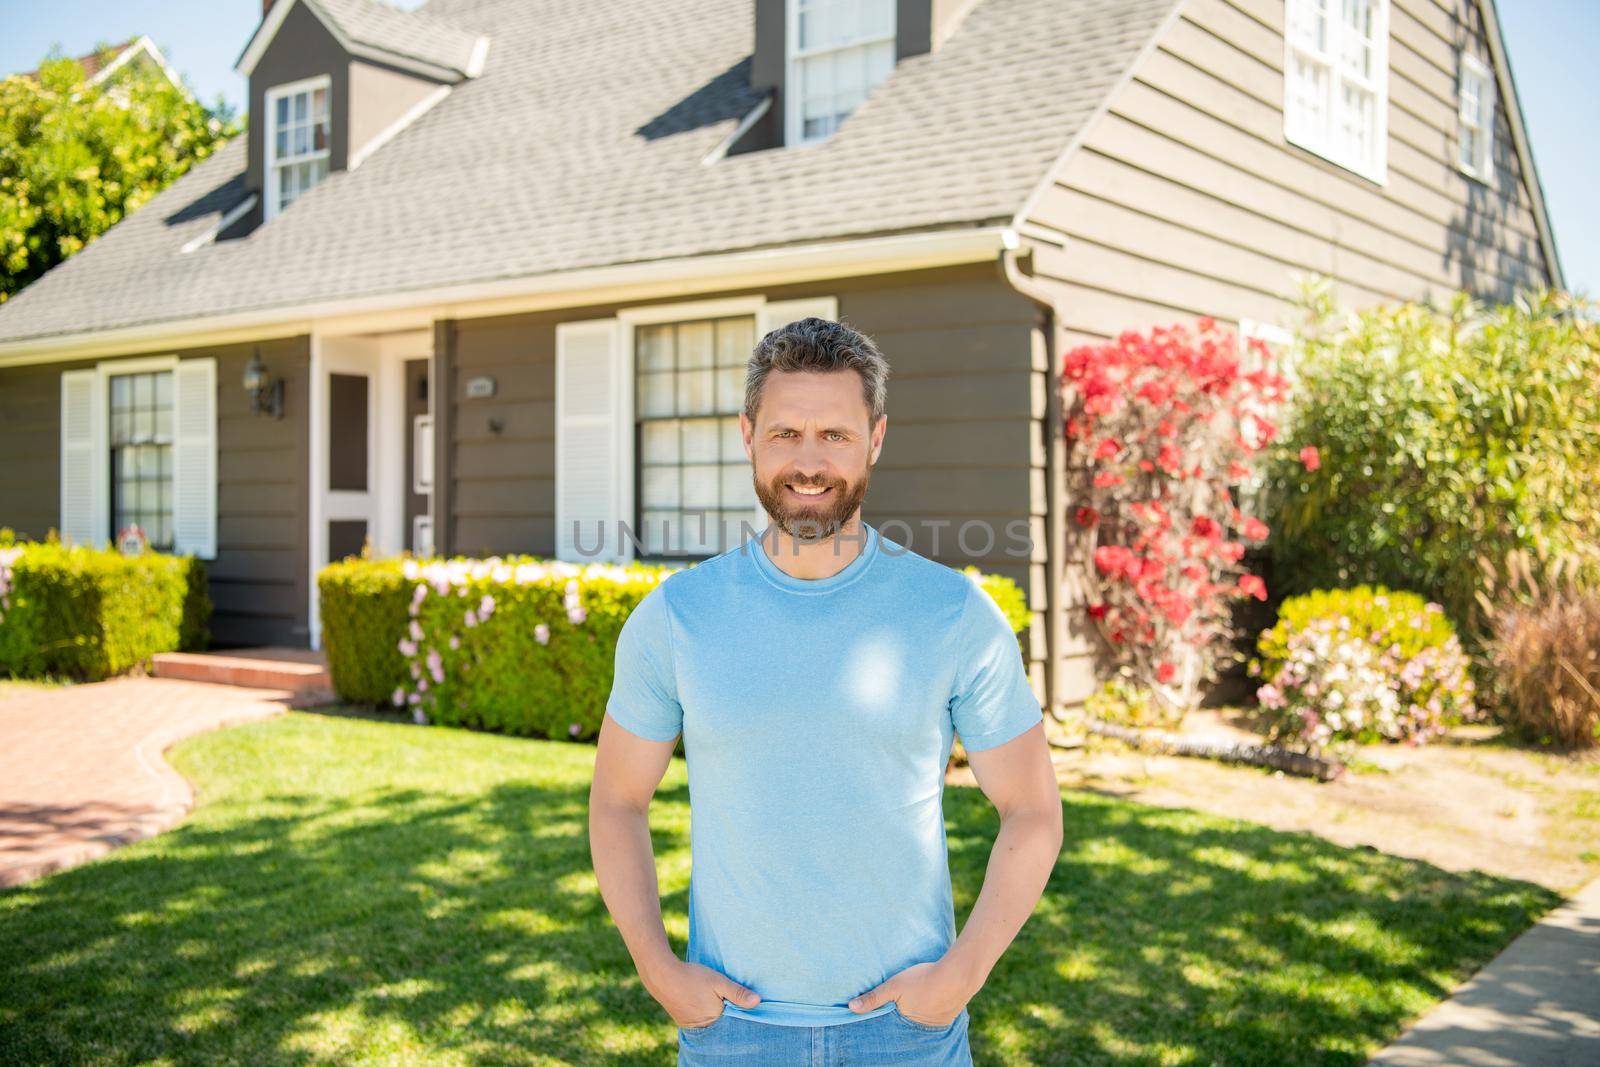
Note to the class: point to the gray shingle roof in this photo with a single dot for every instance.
(416, 34)
(581, 145)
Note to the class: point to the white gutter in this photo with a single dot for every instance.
(670, 278)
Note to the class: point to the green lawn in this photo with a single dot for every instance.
(359, 891)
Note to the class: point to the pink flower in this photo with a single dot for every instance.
(415, 631)
(470, 618)
(573, 730)
(422, 685)
(413, 698)
(419, 717)
(486, 605)
(1311, 457)
(455, 642)
(407, 648)
(1165, 672)
(1252, 585)
(399, 697)
(577, 615)
(542, 634)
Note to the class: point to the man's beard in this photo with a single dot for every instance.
(812, 522)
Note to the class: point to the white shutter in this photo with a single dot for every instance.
(781, 313)
(84, 492)
(590, 459)
(194, 458)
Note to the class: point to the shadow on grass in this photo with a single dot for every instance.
(378, 893)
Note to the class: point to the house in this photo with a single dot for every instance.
(484, 273)
(136, 53)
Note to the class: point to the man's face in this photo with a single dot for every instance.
(812, 450)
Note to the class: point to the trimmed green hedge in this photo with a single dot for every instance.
(517, 645)
(89, 614)
(363, 615)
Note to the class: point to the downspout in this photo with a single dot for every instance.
(1012, 250)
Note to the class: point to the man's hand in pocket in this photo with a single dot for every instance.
(924, 993)
(693, 993)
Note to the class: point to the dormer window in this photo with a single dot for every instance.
(298, 135)
(840, 50)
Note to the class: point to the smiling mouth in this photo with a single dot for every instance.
(809, 492)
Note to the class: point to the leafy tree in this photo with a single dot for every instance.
(75, 158)
(1449, 438)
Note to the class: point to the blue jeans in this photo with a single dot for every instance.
(877, 1041)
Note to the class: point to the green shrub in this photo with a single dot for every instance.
(91, 613)
(1441, 435)
(517, 645)
(363, 605)
(1006, 593)
(1122, 702)
(1364, 664)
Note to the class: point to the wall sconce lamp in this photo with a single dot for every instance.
(266, 394)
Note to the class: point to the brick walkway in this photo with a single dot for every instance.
(81, 768)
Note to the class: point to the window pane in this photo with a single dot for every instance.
(659, 530)
(696, 392)
(655, 395)
(660, 443)
(695, 345)
(735, 340)
(737, 486)
(164, 389)
(120, 392)
(1308, 83)
(732, 441)
(655, 347)
(702, 484)
(319, 104)
(283, 110)
(659, 488)
(300, 107)
(730, 389)
(700, 440)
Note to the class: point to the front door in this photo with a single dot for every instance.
(373, 423)
(349, 475)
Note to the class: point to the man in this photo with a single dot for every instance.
(818, 675)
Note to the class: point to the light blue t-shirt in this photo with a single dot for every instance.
(817, 718)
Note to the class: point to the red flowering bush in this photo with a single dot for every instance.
(1161, 427)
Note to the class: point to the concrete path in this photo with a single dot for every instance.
(81, 767)
(1537, 1004)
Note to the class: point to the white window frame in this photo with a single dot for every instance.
(269, 133)
(793, 107)
(1325, 143)
(630, 320)
(1474, 69)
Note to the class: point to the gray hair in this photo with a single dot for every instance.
(819, 345)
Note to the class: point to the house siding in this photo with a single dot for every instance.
(303, 48)
(1184, 198)
(259, 580)
(966, 396)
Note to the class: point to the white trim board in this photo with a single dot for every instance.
(417, 309)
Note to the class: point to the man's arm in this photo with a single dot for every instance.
(627, 770)
(1020, 779)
